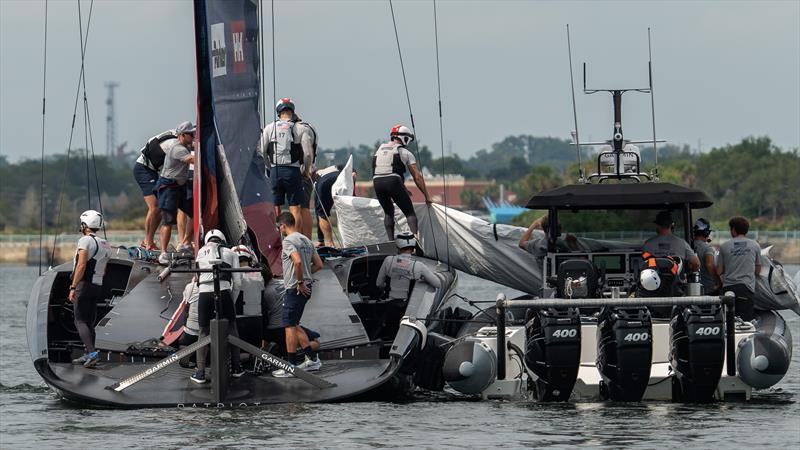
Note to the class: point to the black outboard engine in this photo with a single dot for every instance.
(697, 352)
(624, 352)
(553, 352)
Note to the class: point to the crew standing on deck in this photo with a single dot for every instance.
(146, 169)
(323, 202)
(289, 145)
(664, 243)
(403, 270)
(214, 252)
(738, 266)
(172, 187)
(705, 252)
(389, 165)
(300, 260)
(85, 288)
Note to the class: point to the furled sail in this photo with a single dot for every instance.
(236, 194)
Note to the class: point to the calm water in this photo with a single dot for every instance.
(32, 417)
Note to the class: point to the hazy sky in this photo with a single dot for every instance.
(723, 70)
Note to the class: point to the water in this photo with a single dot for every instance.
(32, 417)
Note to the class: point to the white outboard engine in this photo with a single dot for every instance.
(553, 352)
(470, 366)
(763, 358)
(697, 351)
(624, 352)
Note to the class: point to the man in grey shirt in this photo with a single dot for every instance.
(402, 269)
(664, 243)
(705, 252)
(738, 265)
(171, 186)
(300, 260)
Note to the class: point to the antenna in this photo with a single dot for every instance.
(652, 100)
(575, 136)
(111, 120)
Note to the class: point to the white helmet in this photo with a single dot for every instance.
(402, 133)
(243, 252)
(215, 234)
(405, 240)
(92, 219)
(649, 280)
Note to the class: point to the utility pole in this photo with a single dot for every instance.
(111, 121)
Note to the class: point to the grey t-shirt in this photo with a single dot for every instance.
(738, 258)
(703, 249)
(402, 269)
(668, 245)
(175, 164)
(296, 242)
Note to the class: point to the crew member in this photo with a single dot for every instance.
(705, 252)
(300, 260)
(389, 166)
(172, 187)
(191, 329)
(145, 172)
(213, 253)
(289, 144)
(536, 246)
(85, 288)
(738, 265)
(273, 339)
(664, 243)
(323, 203)
(402, 270)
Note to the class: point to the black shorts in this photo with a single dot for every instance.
(146, 178)
(287, 185)
(206, 311)
(172, 200)
(293, 305)
(308, 192)
(278, 336)
(323, 200)
(392, 189)
(85, 306)
(744, 300)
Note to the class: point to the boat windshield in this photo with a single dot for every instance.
(620, 225)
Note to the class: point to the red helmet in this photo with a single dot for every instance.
(402, 133)
(284, 103)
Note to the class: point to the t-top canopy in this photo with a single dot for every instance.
(620, 196)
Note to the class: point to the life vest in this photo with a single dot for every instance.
(660, 263)
(387, 161)
(91, 262)
(152, 150)
(401, 276)
(202, 262)
(313, 140)
(284, 148)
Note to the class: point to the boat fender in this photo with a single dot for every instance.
(470, 367)
(763, 358)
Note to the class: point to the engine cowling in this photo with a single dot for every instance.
(553, 352)
(624, 352)
(697, 352)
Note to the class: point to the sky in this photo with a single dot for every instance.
(723, 70)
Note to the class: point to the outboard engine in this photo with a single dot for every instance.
(553, 352)
(470, 367)
(697, 352)
(624, 352)
(763, 358)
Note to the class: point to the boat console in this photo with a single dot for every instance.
(615, 269)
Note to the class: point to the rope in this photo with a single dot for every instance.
(84, 41)
(41, 186)
(411, 114)
(441, 132)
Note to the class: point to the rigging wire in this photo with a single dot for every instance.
(574, 110)
(261, 61)
(274, 82)
(441, 132)
(84, 41)
(411, 114)
(41, 186)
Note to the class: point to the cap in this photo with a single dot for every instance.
(664, 219)
(701, 226)
(184, 127)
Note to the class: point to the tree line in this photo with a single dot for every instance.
(753, 178)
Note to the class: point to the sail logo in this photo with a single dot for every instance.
(218, 50)
(237, 33)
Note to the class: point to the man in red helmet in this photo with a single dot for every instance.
(389, 165)
(289, 144)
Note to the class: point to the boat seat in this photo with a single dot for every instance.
(575, 269)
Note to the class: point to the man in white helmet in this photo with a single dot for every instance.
(389, 166)
(213, 253)
(86, 283)
(402, 270)
(290, 146)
